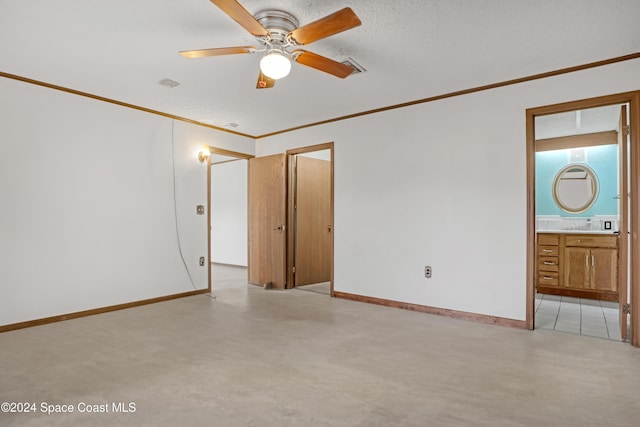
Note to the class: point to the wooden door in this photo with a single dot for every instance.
(623, 263)
(267, 219)
(312, 212)
(576, 268)
(604, 269)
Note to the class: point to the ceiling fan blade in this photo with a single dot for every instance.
(335, 23)
(242, 16)
(322, 63)
(202, 53)
(264, 82)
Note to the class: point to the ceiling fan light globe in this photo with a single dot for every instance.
(275, 65)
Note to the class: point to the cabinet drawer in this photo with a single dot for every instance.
(592, 241)
(548, 278)
(548, 239)
(548, 263)
(548, 250)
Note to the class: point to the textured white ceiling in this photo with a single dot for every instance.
(411, 49)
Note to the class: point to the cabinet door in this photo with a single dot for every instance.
(604, 269)
(576, 268)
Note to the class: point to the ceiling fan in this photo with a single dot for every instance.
(278, 33)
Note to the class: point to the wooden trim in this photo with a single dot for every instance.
(462, 315)
(539, 76)
(634, 206)
(77, 314)
(224, 161)
(291, 177)
(120, 103)
(310, 148)
(291, 218)
(576, 293)
(554, 73)
(236, 154)
(623, 250)
(583, 104)
(531, 220)
(209, 224)
(577, 141)
(333, 225)
(290, 213)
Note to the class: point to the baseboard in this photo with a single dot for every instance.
(77, 314)
(463, 315)
(601, 295)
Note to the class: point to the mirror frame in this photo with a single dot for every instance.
(594, 190)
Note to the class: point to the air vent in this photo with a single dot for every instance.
(168, 83)
(357, 68)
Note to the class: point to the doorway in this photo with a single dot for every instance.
(311, 218)
(276, 252)
(227, 174)
(582, 171)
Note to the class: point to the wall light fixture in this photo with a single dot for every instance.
(204, 155)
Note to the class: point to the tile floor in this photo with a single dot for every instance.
(578, 316)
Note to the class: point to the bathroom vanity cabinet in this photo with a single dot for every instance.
(578, 265)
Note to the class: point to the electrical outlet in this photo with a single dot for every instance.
(201, 261)
(427, 272)
(200, 209)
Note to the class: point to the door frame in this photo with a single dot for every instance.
(290, 208)
(229, 153)
(633, 99)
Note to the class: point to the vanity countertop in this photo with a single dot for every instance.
(577, 231)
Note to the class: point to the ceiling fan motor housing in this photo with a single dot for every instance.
(279, 23)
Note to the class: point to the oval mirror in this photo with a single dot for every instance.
(575, 188)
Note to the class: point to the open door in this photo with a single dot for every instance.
(313, 227)
(623, 149)
(267, 219)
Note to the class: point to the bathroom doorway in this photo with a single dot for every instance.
(580, 166)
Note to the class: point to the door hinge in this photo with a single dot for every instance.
(293, 270)
(627, 130)
(626, 308)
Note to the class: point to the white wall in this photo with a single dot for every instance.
(443, 184)
(229, 212)
(87, 203)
